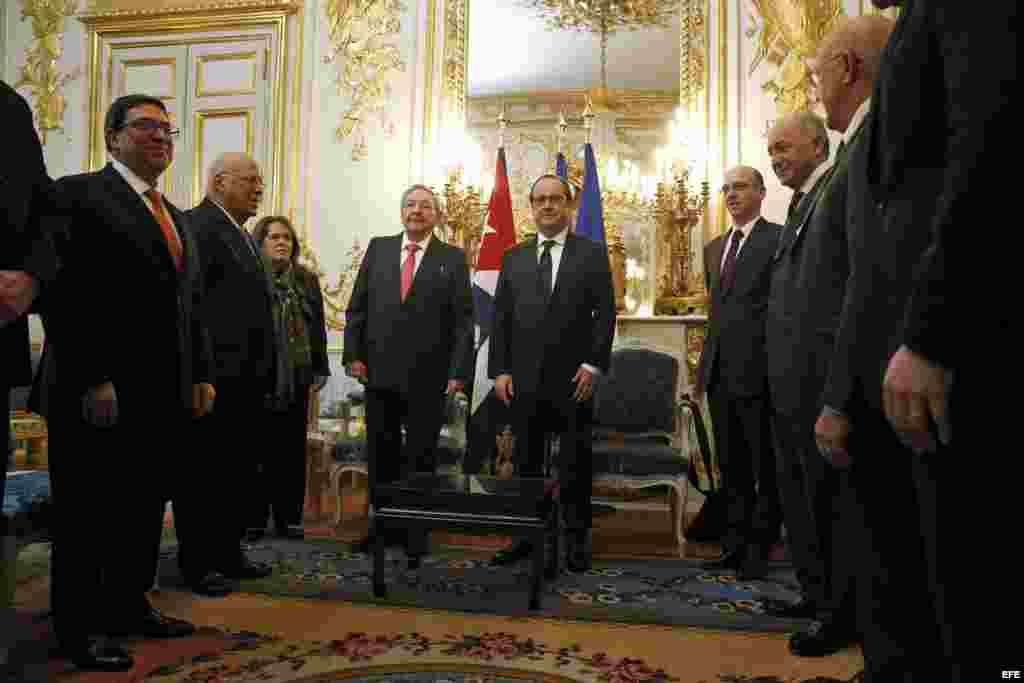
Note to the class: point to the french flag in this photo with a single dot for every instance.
(499, 235)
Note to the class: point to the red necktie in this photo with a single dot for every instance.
(409, 268)
(173, 243)
(729, 269)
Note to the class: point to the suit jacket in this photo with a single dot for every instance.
(808, 288)
(413, 346)
(27, 204)
(575, 325)
(941, 115)
(119, 310)
(237, 307)
(734, 350)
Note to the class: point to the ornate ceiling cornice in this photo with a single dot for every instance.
(99, 11)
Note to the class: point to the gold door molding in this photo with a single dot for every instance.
(110, 19)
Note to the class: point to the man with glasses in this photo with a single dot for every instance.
(409, 338)
(732, 370)
(128, 370)
(237, 311)
(808, 288)
(554, 320)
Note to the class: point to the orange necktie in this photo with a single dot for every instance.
(173, 243)
(409, 268)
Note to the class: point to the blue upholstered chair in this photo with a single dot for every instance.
(637, 435)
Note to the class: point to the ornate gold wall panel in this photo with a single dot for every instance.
(40, 72)
(110, 19)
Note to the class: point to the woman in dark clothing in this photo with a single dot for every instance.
(302, 367)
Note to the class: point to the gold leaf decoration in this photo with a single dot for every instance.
(362, 34)
(786, 33)
(40, 72)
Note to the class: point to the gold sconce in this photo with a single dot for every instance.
(680, 289)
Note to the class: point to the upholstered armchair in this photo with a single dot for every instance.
(637, 430)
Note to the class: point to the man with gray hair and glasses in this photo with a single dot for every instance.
(409, 338)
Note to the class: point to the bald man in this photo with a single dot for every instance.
(737, 271)
(808, 288)
(237, 311)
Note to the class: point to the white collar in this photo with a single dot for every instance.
(559, 238)
(857, 120)
(422, 244)
(815, 174)
(138, 184)
(747, 228)
(230, 217)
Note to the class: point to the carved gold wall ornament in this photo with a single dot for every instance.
(362, 35)
(40, 72)
(695, 334)
(787, 33)
(336, 297)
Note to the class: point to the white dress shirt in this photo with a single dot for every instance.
(857, 120)
(747, 229)
(141, 187)
(419, 252)
(808, 185)
(556, 258)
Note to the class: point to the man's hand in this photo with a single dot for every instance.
(831, 433)
(18, 290)
(357, 369)
(202, 399)
(455, 386)
(584, 380)
(99, 405)
(915, 393)
(503, 389)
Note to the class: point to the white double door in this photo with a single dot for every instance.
(217, 91)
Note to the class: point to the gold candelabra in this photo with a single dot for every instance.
(680, 289)
(463, 215)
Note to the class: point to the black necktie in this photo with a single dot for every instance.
(729, 268)
(544, 268)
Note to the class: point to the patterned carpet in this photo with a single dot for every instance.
(669, 592)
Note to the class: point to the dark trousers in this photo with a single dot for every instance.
(389, 458)
(816, 529)
(282, 474)
(214, 509)
(896, 609)
(555, 412)
(109, 488)
(743, 444)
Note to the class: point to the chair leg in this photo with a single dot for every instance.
(678, 501)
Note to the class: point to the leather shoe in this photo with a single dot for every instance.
(212, 585)
(804, 609)
(755, 564)
(247, 569)
(98, 655)
(730, 560)
(820, 639)
(155, 624)
(520, 551)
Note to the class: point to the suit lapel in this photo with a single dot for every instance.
(428, 265)
(749, 260)
(145, 227)
(715, 261)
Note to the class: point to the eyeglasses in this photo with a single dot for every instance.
(151, 126)
(554, 199)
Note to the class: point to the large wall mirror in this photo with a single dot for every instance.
(510, 57)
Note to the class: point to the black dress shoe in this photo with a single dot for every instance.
(98, 655)
(729, 560)
(247, 569)
(754, 564)
(212, 585)
(820, 639)
(520, 551)
(804, 609)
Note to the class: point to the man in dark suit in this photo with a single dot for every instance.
(808, 286)
(27, 260)
(554, 321)
(238, 314)
(737, 270)
(942, 115)
(409, 337)
(125, 378)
